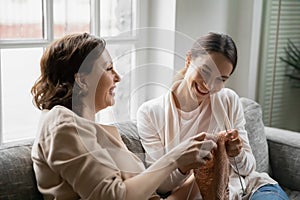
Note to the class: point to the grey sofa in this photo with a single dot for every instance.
(277, 152)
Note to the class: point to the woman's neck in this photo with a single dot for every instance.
(86, 111)
(87, 114)
(183, 98)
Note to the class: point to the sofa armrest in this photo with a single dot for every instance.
(284, 154)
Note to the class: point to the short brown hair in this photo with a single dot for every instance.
(59, 64)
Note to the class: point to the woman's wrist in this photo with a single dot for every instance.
(183, 172)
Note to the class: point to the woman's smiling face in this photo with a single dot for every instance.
(101, 82)
(104, 95)
(207, 74)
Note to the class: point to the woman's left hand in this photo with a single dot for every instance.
(234, 143)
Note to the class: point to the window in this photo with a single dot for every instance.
(66, 18)
(279, 92)
(23, 38)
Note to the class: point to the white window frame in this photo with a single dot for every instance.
(49, 37)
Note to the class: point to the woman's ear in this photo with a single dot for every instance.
(188, 59)
(80, 80)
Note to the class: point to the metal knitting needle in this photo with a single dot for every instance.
(237, 169)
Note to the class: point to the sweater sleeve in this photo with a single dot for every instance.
(154, 147)
(245, 161)
(74, 154)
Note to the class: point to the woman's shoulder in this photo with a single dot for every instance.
(152, 104)
(60, 117)
(63, 121)
(229, 97)
(229, 93)
(58, 114)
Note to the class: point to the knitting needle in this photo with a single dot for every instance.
(237, 169)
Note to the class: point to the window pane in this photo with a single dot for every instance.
(71, 16)
(279, 86)
(21, 19)
(123, 61)
(19, 70)
(117, 17)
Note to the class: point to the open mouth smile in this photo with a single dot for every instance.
(111, 91)
(200, 90)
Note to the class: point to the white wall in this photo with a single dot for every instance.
(154, 51)
(161, 45)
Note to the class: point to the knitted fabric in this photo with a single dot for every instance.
(213, 177)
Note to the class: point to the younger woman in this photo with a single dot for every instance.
(198, 102)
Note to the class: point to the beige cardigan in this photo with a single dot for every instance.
(159, 129)
(76, 158)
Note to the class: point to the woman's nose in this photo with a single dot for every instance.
(117, 77)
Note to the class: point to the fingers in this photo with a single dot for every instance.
(235, 142)
(208, 145)
(206, 155)
(233, 153)
(212, 137)
(203, 150)
(201, 159)
(200, 136)
(231, 147)
(205, 146)
(232, 134)
(234, 147)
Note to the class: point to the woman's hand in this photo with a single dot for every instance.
(187, 155)
(233, 143)
(195, 152)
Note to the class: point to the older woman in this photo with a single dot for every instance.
(198, 102)
(73, 156)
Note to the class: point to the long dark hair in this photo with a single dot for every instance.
(59, 64)
(213, 42)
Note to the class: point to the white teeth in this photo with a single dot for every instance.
(111, 91)
(200, 89)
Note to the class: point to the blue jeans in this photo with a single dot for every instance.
(269, 192)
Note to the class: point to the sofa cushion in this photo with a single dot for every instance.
(284, 151)
(257, 138)
(129, 135)
(17, 180)
(292, 194)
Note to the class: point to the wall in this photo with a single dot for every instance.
(154, 51)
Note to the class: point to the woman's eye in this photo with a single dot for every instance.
(221, 80)
(205, 73)
(109, 68)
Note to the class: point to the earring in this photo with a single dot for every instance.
(187, 62)
(188, 59)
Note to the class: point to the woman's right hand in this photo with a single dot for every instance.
(189, 154)
(194, 152)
